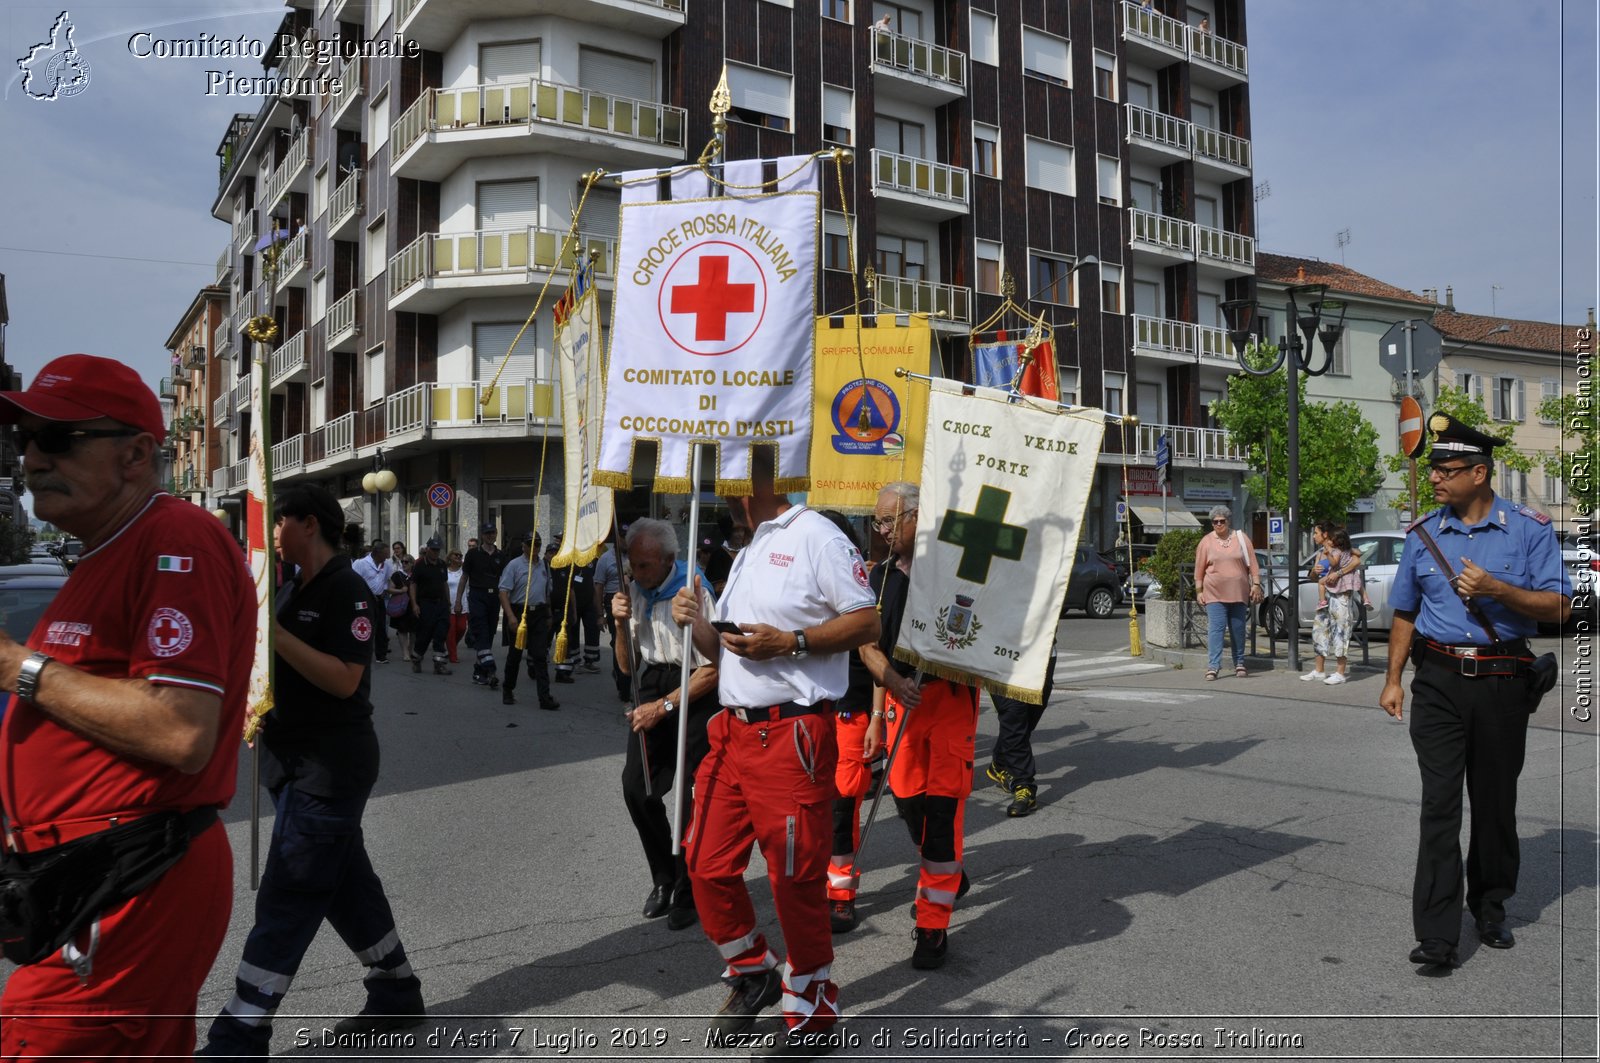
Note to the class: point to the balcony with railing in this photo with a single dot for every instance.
(1191, 445)
(344, 208)
(435, 24)
(1153, 38)
(168, 389)
(946, 304)
(344, 322)
(1231, 251)
(917, 70)
(438, 270)
(1215, 347)
(288, 361)
(332, 441)
(239, 475)
(1163, 134)
(244, 231)
(294, 261)
(1216, 60)
(1161, 235)
(289, 456)
(224, 264)
(446, 127)
(350, 89)
(1222, 154)
(241, 390)
(295, 165)
(1163, 339)
(219, 408)
(919, 186)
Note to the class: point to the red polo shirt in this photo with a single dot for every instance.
(168, 599)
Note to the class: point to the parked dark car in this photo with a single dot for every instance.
(25, 591)
(1093, 585)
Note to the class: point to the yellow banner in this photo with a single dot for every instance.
(867, 424)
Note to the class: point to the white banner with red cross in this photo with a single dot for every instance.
(712, 324)
(1005, 481)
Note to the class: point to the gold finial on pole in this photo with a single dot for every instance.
(1008, 284)
(721, 104)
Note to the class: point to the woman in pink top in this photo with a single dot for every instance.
(1226, 580)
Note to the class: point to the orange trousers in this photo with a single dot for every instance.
(930, 778)
(852, 779)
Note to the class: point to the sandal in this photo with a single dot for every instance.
(1239, 672)
(1211, 673)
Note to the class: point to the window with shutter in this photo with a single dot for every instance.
(600, 210)
(1110, 174)
(1045, 56)
(508, 204)
(617, 75)
(491, 341)
(1049, 166)
(373, 377)
(507, 61)
(1548, 389)
(760, 97)
(838, 115)
(985, 39)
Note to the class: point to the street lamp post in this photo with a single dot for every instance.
(1295, 357)
(380, 480)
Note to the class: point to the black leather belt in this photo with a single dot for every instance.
(1496, 658)
(769, 713)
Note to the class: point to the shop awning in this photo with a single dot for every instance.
(1176, 516)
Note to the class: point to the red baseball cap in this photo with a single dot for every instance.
(83, 387)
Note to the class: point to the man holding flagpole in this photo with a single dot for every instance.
(931, 773)
(799, 597)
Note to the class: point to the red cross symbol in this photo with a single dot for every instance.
(167, 632)
(711, 299)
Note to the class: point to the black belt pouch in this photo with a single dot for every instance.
(48, 896)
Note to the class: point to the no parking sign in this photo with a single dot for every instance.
(440, 495)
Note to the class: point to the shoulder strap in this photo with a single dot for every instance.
(1472, 606)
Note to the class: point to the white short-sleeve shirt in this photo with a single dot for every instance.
(798, 571)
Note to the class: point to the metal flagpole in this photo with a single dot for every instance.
(633, 651)
(721, 103)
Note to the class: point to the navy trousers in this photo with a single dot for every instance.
(483, 616)
(317, 868)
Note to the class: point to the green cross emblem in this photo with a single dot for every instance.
(983, 534)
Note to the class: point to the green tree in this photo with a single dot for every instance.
(1338, 446)
(1576, 464)
(15, 541)
(1470, 412)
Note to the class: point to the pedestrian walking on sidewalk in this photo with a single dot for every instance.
(1227, 581)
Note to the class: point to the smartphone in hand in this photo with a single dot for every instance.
(727, 627)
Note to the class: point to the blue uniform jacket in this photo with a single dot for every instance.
(1514, 544)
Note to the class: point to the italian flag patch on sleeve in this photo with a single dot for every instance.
(173, 563)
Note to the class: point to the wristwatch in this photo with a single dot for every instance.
(801, 650)
(28, 675)
(668, 706)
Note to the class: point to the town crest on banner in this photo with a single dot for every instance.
(712, 323)
(1005, 481)
(588, 505)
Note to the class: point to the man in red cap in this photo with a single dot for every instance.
(121, 734)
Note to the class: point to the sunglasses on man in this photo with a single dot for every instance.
(61, 438)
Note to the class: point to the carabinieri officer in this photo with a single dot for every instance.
(1476, 577)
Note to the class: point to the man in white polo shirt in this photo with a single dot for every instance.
(799, 595)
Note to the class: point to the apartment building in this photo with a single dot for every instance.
(195, 441)
(421, 204)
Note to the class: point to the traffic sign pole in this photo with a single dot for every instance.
(1412, 461)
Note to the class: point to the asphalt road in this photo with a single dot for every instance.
(1216, 870)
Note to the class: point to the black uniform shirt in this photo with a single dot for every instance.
(323, 743)
(433, 580)
(892, 609)
(482, 569)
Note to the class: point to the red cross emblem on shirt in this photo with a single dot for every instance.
(169, 633)
(713, 298)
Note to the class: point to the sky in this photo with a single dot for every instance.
(1454, 139)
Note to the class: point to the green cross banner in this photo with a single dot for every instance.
(983, 534)
(1004, 489)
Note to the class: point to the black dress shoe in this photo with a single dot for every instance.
(1495, 935)
(658, 902)
(1435, 951)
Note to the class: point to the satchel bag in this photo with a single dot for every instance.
(48, 896)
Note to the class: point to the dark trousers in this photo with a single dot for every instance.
(649, 814)
(483, 616)
(317, 868)
(1013, 746)
(433, 624)
(1476, 728)
(380, 647)
(538, 653)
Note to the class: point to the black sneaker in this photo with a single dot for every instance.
(416, 664)
(930, 949)
(549, 704)
(563, 677)
(366, 1023)
(1000, 777)
(439, 668)
(751, 993)
(1023, 802)
(507, 698)
(842, 916)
